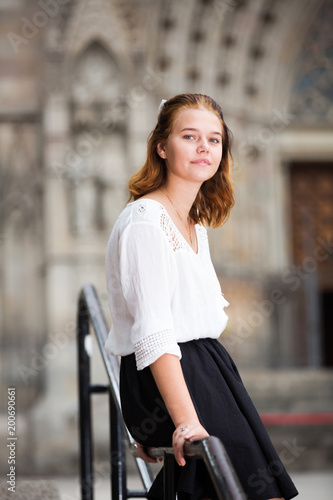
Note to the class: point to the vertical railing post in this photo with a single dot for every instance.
(86, 456)
(118, 457)
(169, 477)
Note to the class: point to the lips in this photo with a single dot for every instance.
(201, 161)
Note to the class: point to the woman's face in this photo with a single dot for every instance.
(193, 150)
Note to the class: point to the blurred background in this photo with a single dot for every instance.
(80, 86)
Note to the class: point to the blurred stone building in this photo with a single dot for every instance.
(80, 86)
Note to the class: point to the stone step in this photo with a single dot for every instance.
(30, 490)
(306, 447)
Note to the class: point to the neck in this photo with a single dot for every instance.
(182, 195)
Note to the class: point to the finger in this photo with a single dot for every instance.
(178, 450)
(179, 456)
(190, 436)
(194, 437)
(196, 433)
(150, 460)
(147, 458)
(141, 453)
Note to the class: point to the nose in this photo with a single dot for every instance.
(203, 147)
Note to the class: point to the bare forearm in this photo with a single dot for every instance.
(169, 378)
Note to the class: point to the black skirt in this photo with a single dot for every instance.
(225, 410)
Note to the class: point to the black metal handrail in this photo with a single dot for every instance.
(211, 450)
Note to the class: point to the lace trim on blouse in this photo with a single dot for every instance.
(141, 208)
(176, 242)
(202, 237)
(148, 349)
(175, 238)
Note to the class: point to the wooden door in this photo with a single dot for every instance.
(312, 241)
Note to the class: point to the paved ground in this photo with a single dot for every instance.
(311, 486)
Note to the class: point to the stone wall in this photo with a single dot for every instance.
(81, 82)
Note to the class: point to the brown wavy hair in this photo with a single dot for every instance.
(215, 197)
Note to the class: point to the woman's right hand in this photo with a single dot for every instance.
(188, 431)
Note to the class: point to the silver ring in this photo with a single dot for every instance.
(183, 429)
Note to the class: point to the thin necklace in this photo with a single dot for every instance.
(188, 228)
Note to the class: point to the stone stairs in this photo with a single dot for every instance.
(30, 490)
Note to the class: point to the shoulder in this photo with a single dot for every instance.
(145, 212)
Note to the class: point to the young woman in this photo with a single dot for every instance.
(177, 382)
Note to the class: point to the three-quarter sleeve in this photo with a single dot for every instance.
(148, 277)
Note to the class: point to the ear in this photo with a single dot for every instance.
(161, 151)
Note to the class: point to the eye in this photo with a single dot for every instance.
(214, 140)
(188, 136)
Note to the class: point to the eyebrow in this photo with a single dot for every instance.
(196, 130)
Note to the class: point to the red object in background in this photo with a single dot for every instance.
(274, 419)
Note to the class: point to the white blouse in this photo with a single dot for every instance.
(161, 292)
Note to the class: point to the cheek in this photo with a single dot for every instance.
(218, 156)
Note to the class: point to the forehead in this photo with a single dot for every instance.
(201, 118)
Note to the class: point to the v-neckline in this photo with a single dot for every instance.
(174, 225)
